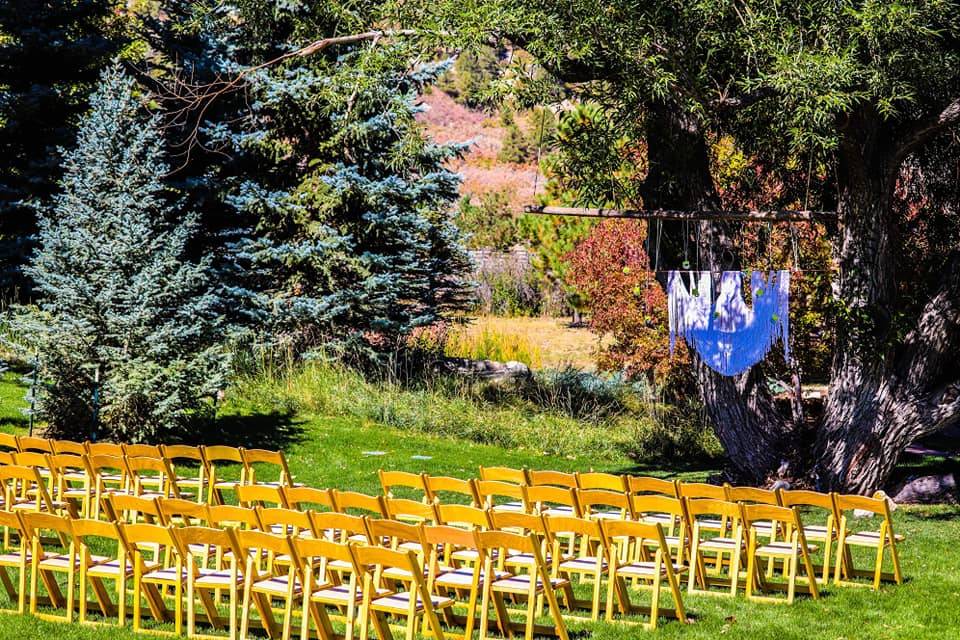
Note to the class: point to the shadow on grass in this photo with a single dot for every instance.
(657, 467)
(275, 430)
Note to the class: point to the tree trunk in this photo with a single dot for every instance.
(757, 439)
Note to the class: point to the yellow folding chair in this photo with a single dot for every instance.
(307, 498)
(590, 563)
(542, 477)
(92, 536)
(825, 534)
(265, 581)
(533, 585)
(463, 517)
(61, 447)
(791, 552)
(603, 481)
(109, 475)
(447, 577)
(704, 491)
(394, 534)
(255, 461)
(353, 502)
(726, 548)
(449, 490)
(880, 540)
(671, 515)
(416, 603)
(150, 579)
(410, 510)
(151, 477)
(207, 583)
(322, 590)
(46, 564)
(189, 470)
(221, 460)
(600, 504)
(72, 482)
(504, 474)
(652, 572)
(551, 500)
(498, 495)
(18, 558)
(414, 483)
(260, 495)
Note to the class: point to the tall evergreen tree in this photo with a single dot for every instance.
(50, 56)
(118, 300)
(342, 209)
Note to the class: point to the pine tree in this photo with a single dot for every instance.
(50, 56)
(118, 299)
(342, 208)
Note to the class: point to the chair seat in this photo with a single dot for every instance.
(710, 524)
(868, 538)
(523, 560)
(557, 510)
(763, 526)
(340, 594)
(645, 569)
(276, 585)
(465, 555)
(75, 476)
(816, 532)
(718, 544)
(339, 565)
(12, 559)
(509, 506)
(396, 573)
(780, 549)
(215, 578)
(582, 565)
(61, 561)
(166, 575)
(658, 518)
(521, 584)
(607, 515)
(400, 603)
(463, 578)
(111, 569)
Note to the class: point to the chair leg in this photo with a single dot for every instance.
(655, 597)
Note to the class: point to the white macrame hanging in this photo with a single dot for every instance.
(729, 335)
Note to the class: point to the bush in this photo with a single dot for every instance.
(487, 344)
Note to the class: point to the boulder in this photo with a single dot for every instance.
(934, 489)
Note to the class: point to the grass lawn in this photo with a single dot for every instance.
(329, 451)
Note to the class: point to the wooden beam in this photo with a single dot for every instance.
(782, 215)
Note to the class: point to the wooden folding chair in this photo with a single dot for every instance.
(463, 517)
(260, 495)
(416, 603)
(353, 502)
(69, 447)
(600, 504)
(181, 512)
(498, 495)
(72, 481)
(256, 461)
(645, 485)
(189, 470)
(109, 476)
(33, 443)
(879, 540)
(702, 490)
(671, 515)
(590, 563)
(754, 495)
(340, 527)
(652, 572)
(121, 507)
(537, 583)
(542, 477)
(521, 524)
(92, 536)
(791, 552)
(221, 460)
(8, 443)
(449, 490)
(15, 558)
(825, 534)
(280, 521)
(265, 581)
(150, 579)
(720, 546)
(207, 583)
(504, 474)
(414, 483)
(604, 481)
(410, 510)
(36, 460)
(24, 490)
(46, 564)
(549, 500)
(404, 536)
(307, 498)
(151, 477)
(320, 591)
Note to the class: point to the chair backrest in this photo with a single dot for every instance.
(252, 458)
(653, 504)
(6, 457)
(402, 507)
(291, 522)
(305, 498)
(770, 513)
(35, 522)
(309, 550)
(225, 539)
(752, 495)
(373, 560)
(415, 482)
(640, 485)
(132, 509)
(504, 474)
(20, 483)
(392, 533)
(61, 463)
(158, 469)
(256, 544)
(182, 452)
(516, 521)
(339, 526)
(544, 497)
(727, 511)
(186, 512)
(350, 501)
(142, 451)
(8, 442)
(100, 465)
(590, 499)
(221, 453)
(578, 527)
(104, 449)
(91, 534)
(492, 543)
(260, 495)
(877, 506)
(490, 490)
(34, 459)
(139, 537)
(552, 478)
(605, 481)
(630, 530)
(815, 499)
(445, 489)
(228, 515)
(463, 516)
(695, 490)
(32, 443)
(69, 446)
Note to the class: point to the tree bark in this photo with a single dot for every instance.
(756, 437)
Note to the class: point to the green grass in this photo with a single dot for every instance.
(329, 451)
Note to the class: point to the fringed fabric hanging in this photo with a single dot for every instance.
(729, 335)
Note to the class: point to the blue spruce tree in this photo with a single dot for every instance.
(118, 299)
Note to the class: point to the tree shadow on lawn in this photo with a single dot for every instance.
(671, 467)
(274, 430)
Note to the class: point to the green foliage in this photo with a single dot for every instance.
(126, 325)
(493, 345)
(491, 224)
(468, 82)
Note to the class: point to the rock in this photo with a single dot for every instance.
(928, 490)
(487, 369)
(780, 484)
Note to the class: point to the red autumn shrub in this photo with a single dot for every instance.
(611, 269)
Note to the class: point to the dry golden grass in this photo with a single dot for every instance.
(551, 342)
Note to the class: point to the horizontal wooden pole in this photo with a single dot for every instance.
(782, 215)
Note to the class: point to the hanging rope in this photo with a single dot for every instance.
(536, 174)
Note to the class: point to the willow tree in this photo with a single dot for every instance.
(868, 89)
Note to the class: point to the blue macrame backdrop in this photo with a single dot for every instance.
(728, 335)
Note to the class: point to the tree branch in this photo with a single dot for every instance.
(923, 130)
